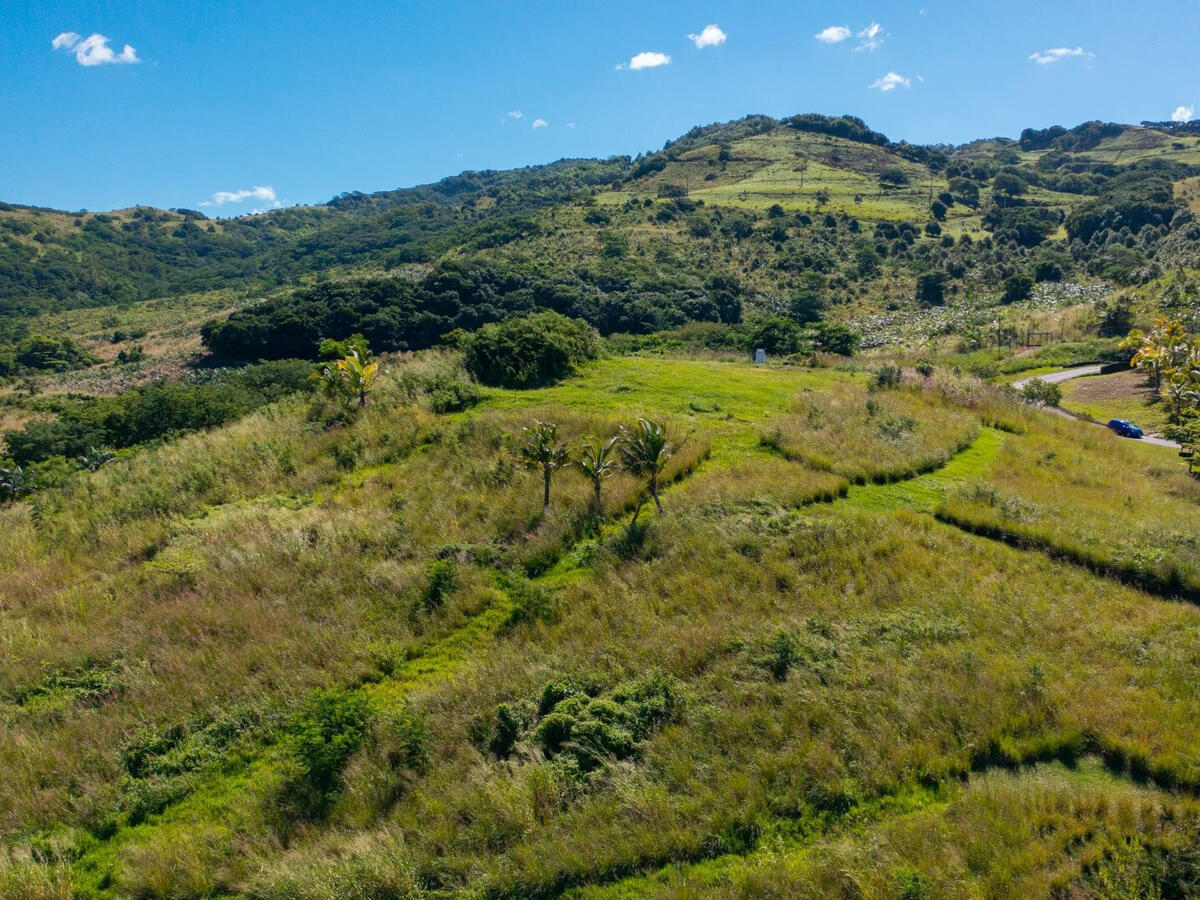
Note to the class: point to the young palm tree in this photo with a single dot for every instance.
(597, 463)
(541, 449)
(644, 452)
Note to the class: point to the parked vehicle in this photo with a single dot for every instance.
(1125, 428)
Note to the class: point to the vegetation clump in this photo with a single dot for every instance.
(528, 351)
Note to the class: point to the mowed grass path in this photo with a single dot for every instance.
(925, 492)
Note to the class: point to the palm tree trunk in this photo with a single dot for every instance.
(654, 494)
(598, 504)
(546, 492)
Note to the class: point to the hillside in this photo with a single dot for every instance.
(445, 542)
(279, 661)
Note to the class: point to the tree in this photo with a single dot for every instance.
(359, 375)
(644, 452)
(1007, 185)
(938, 208)
(1165, 349)
(965, 191)
(596, 461)
(1017, 288)
(775, 334)
(834, 337)
(542, 450)
(931, 288)
(893, 177)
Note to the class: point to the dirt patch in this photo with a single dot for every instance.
(1122, 395)
(1119, 387)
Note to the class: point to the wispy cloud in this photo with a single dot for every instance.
(871, 37)
(648, 59)
(539, 123)
(890, 82)
(1183, 114)
(93, 50)
(834, 34)
(710, 36)
(570, 125)
(516, 114)
(258, 192)
(1058, 54)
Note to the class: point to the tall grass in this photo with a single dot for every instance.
(868, 436)
(835, 671)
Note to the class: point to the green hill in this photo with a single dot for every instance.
(854, 622)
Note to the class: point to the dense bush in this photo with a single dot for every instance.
(528, 351)
(41, 353)
(155, 411)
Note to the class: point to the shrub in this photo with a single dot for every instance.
(529, 351)
(448, 395)
(887, 377)
(775, 334)
(834, 337)
(1042, 392)
(441, 582)
(325, 732)
(155, 411)
(47, 353)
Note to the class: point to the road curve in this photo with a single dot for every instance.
(1079, 372)
(1059, 377)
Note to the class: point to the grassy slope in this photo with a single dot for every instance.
(249, 566)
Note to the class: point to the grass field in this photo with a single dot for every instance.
(288, 660)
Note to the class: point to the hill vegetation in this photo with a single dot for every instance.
(277, 661)
(445, 542)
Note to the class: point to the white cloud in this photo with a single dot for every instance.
(516, 114)
(1183, 114)
(570, 124)
(93, 50)
(539, 123)
(258, 192)
(890, 82)
(1057, 54)
(648, 59)
(834, 34)
(710, 36)
(871, 37)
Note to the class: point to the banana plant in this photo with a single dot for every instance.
(359, 375)
(348, 378)
(94, 459)
(13, 483)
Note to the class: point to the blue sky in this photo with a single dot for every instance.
(261, 103)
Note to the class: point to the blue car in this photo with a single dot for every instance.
(1125, 428)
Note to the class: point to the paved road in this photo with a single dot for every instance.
(1079, 372)
(1059, 377)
